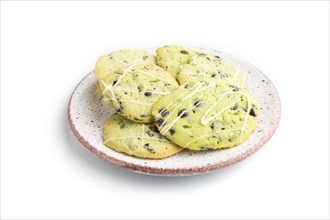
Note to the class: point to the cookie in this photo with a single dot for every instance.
(133, 90)
(140, 140)
(210, 66)
(121, 59)
(206, 115)
(171, 58)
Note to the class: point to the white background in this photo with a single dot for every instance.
(47, 47)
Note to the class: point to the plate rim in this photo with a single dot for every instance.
(177, 171)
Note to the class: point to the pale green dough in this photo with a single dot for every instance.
(140, 140)
(121, 59)
(172, 57)
(206, 115)
(134, 88)
(213, 67)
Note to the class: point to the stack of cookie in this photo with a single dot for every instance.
(178, 99)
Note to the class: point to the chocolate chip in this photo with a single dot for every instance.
(234, 107)
(252, 112)
(151, 133)
(121, 106)
(184, 52)
(222, 129)
(214, 75)
(163, 112)
(150, 150)
(214, 124)
(183, 114)
(189, 85)
(208, 58)
(147, 93)
(172, 131)
(217, 57)
(114, 82)
(147, 144)
(235, 89)
(139, 88)
(153, 128)
(120, 109)
(145, 57)
(197, 103)
(160, 122)
(223, 75)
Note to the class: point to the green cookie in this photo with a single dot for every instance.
(213, 67)
(140, 140)
(206, 115)
(171, 58)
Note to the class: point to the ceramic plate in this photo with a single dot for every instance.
(87, 114)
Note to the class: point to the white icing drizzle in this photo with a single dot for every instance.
(156, 77)
(160, 93)
(119, 61)
(132, 101)
(107, 88)
(205, 121)
(243, 83)
(134, 91)
(120, 138)
(169, 106)
(135, 137)
(166, 128)
(195, 91)
(126, 71)
(156, 139)
(193, 73)
(197, 85)
(208, 135)
(235, 75)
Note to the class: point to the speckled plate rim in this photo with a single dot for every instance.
(179, 171)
